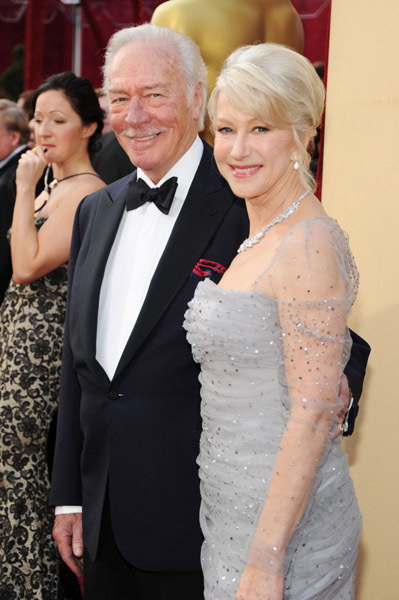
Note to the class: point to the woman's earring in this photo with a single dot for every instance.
(296, 163)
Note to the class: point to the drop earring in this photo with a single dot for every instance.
(296, 163)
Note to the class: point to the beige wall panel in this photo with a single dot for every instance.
(361, 190)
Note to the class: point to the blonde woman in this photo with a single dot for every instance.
(279, 513)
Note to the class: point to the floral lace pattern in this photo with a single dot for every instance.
(31, 333)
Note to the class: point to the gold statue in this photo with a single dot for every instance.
(220, 26)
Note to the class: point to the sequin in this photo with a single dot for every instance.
(263, 367)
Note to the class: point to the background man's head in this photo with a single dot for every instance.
(14, 128)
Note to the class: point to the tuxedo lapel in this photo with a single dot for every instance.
(204, 209)
(105, 227)
(13, 162)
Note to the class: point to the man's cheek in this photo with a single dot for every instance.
(117, 121)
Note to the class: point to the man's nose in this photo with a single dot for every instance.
(137, 113)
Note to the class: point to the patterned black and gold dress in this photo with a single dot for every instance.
(31, 333)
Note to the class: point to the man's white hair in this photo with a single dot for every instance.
(190, 61)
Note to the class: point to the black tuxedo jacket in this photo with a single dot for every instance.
(7, 200)
(138, 435)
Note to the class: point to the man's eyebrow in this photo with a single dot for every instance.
(160, 84)
(150, 86)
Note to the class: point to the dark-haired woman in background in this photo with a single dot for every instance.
(68, 123)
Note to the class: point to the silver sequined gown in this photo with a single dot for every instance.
(268, 366)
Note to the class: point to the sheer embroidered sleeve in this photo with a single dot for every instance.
(314, 281)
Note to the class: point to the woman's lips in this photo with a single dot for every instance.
(244, 171)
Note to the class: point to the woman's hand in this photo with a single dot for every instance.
(255, 584)
(30, 168)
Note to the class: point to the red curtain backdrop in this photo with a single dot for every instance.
(48, 33)
(315, 20)
(315, 17)
(319, 178)
(34, 39)
(46, 27)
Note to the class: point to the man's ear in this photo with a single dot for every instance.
(197, 102)
(15, 138)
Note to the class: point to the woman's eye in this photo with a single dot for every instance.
(225, 130)
(261, 129)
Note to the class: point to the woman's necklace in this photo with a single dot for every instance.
(249, 242)
(54, 182)
(49, 186)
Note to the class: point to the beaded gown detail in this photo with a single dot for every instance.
(31, 334)
(267, 366)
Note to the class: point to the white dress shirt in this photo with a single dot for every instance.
(138, 246)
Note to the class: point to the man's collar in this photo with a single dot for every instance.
(184, 170)
(9, 157)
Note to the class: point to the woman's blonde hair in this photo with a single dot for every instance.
(279, 87)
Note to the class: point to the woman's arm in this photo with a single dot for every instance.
(36, 253)
(311, 291)
(24, 243)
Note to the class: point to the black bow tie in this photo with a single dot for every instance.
(139, 193)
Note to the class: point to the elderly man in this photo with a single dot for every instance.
(14, 135)
(129, 416)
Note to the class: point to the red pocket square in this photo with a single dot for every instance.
(206, 268)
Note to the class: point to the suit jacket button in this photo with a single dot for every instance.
(114, 395)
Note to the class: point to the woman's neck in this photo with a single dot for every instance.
(78, 163)
(266, 208)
